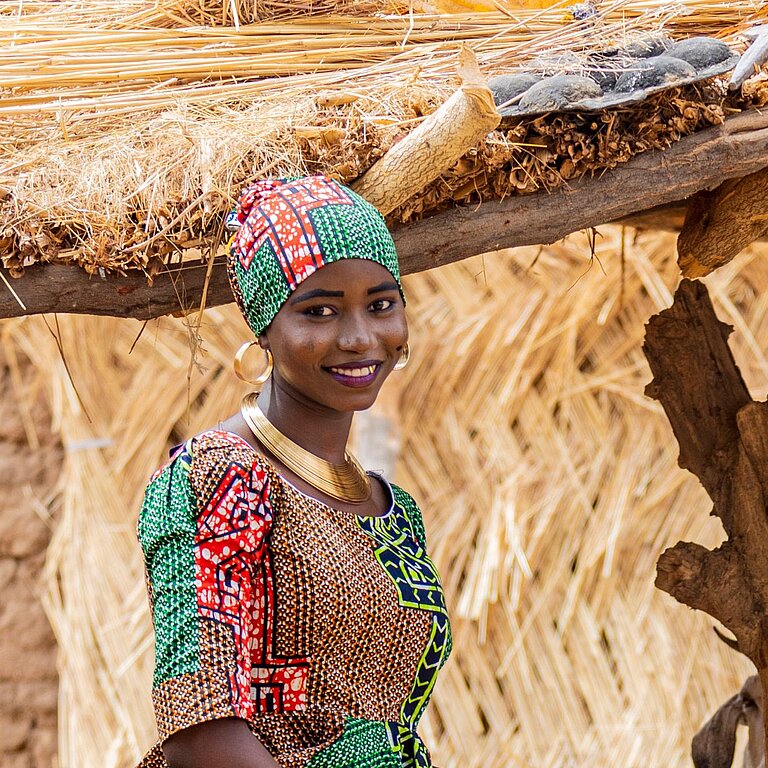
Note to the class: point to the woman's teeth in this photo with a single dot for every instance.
(355, 372)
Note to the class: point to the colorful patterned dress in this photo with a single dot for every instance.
(324, 630)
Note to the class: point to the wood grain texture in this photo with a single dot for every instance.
(702, 161)
(63, 288)
(723, 438)
(721, 224)
(460, 123)
(669, 217)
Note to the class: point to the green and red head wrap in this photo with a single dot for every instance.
(288, 229)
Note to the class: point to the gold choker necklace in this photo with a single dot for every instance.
(346, 482)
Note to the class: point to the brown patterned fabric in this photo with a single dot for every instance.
(198, 696)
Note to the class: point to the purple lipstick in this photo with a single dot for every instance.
(355, 374)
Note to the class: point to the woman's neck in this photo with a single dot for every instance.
(318, 429)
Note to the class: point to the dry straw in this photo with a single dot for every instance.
(123, 14)
(122, 144)
(549, 485)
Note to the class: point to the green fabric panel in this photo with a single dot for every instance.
(263, 286)
(364, 744)
(167, 528)
(405, 501)
(355, 232)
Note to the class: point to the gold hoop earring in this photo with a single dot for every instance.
(405, 356)
(238, 365)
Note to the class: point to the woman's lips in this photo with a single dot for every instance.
(360, 376)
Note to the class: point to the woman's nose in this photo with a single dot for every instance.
(355, 334)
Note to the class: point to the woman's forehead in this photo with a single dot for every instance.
(357, 273)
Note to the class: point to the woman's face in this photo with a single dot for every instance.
(339, 335)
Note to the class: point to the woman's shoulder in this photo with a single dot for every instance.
(218, 439)
(222, 446)
(401, 497)
(207, 457)
(212, 468)
(213, 447)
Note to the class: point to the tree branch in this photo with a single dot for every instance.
(695, 373)
(723, 438)
(701, 161)
(720, 224)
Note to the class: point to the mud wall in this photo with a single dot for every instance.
(28, 679)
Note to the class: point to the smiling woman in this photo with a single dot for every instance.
(298, 618)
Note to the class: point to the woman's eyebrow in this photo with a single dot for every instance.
(317, 293)
(388, 286)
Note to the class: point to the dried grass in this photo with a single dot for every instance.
(123, 14)
(122, 146)
(549, 484)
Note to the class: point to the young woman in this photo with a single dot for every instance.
(298, 619)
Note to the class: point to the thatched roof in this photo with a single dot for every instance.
(127, 136)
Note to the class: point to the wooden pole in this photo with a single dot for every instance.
(720, 224)
(701, 161)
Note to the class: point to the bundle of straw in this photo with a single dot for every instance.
(39, 59)
(124, 14)
(549, 485)
(123, 146)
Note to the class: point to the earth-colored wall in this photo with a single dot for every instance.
(28, 679)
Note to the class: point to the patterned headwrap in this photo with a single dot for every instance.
(288, 229)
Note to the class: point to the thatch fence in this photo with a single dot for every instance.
(549, 483)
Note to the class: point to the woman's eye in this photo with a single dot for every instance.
(318, 311)
(382, 304)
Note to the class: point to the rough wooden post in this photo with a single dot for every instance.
(723, 438)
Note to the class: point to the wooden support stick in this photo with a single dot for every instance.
(723, 438)
(701, 161)
(64, 288)
(466, 118)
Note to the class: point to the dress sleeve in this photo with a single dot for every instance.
(203, 527)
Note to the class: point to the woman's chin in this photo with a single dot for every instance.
(353, 399)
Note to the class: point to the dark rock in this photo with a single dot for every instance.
(605, 77)
(605, 66)
(658, 70)
(700, 52)
(507, 87)
(647, 46)
(559, 92)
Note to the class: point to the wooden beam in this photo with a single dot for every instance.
(666, 218)
(64, 288)
(701, 161)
